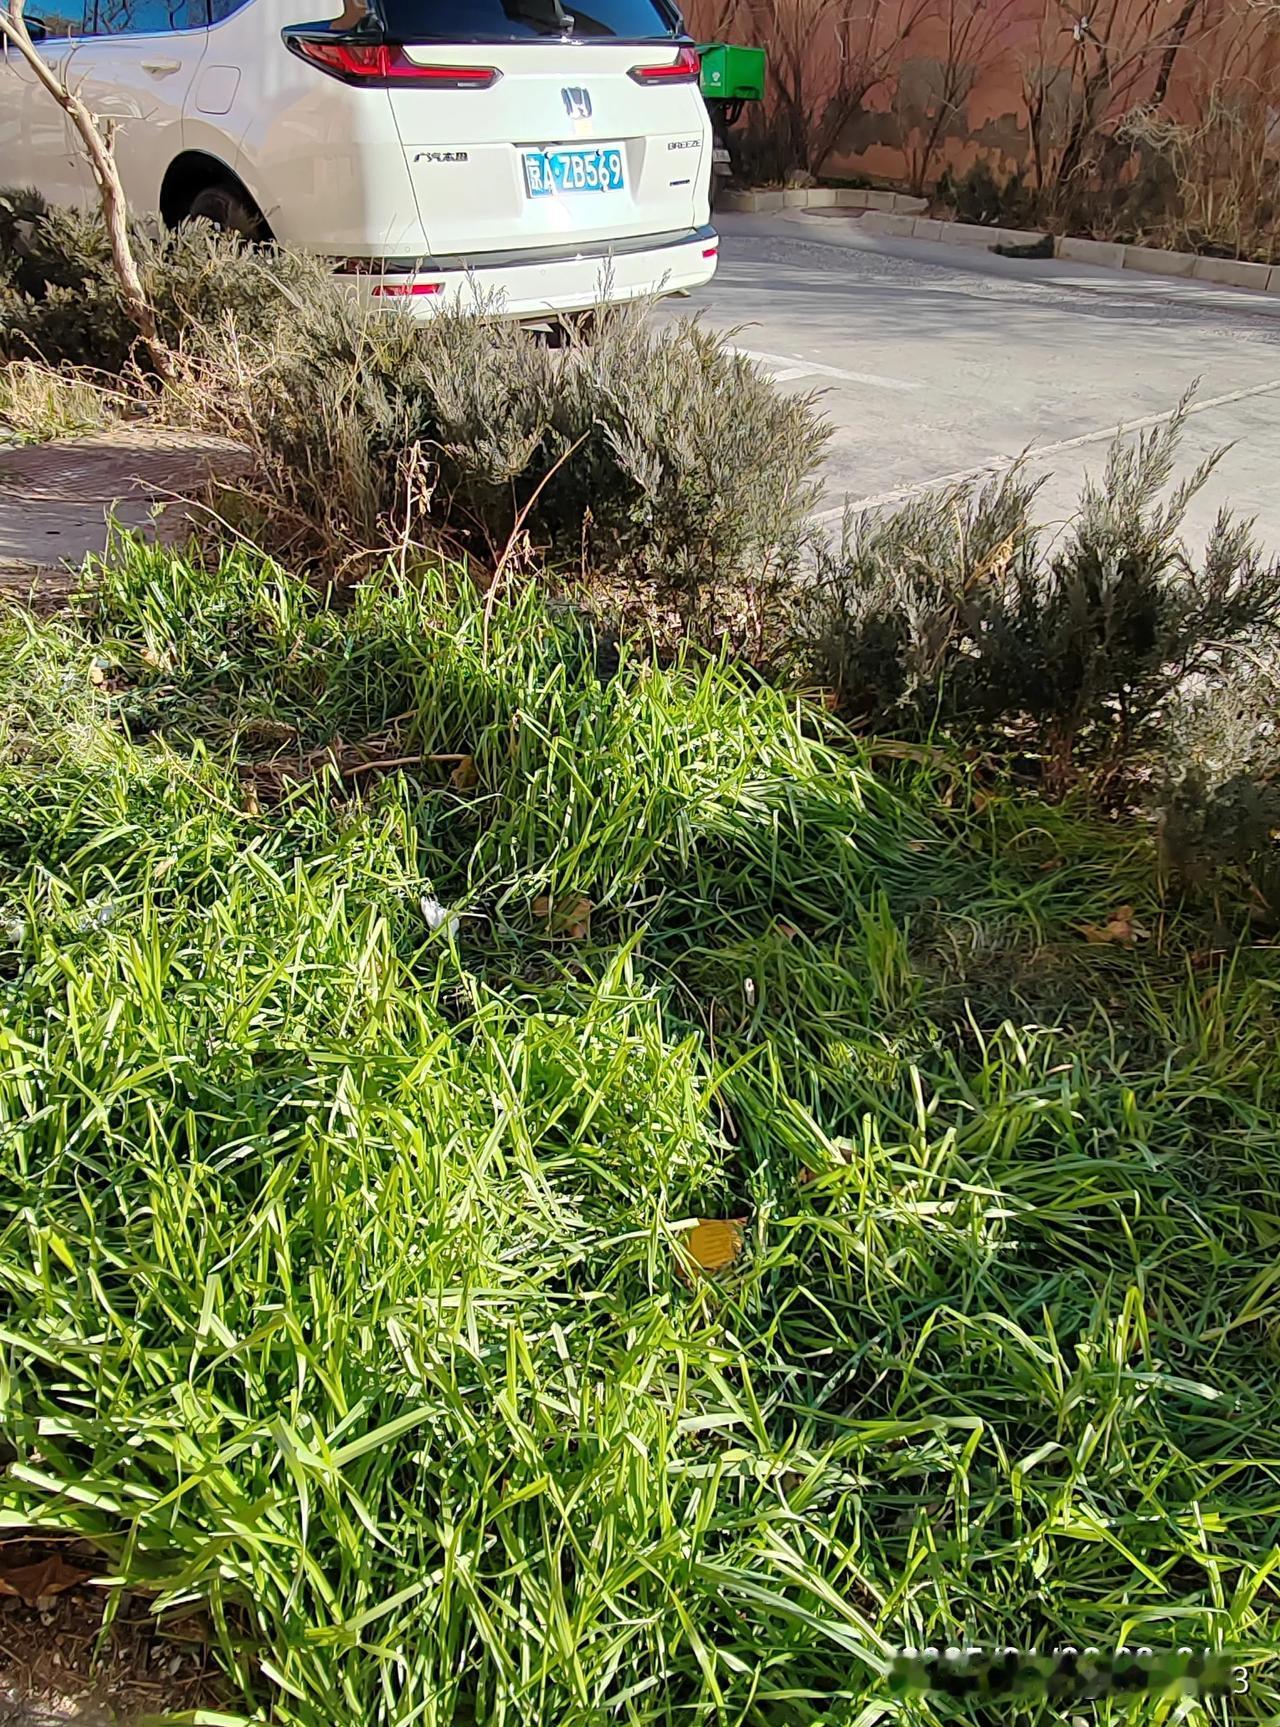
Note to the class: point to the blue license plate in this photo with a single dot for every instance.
(550, 173)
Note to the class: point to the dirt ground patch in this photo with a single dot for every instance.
(58, 1667)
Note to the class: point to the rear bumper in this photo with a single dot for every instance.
(546, 283)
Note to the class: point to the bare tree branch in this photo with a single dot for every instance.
(825, 59)
(973, 31)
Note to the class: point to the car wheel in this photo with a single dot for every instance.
(227, 211)
(571, 330)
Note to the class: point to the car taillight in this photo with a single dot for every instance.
(382, 64)
(406, 290)
(684, 69)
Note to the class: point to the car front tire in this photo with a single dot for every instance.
(227, 211)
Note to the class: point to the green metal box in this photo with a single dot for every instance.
(731, 74)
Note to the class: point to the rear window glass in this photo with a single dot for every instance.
(515, 20)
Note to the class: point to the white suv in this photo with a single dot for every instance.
(546, 157)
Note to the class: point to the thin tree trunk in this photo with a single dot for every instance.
(97, 147)
(1177, 36)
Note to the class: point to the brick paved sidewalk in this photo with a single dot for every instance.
(56, 499)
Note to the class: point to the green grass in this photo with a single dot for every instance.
(341, 1268)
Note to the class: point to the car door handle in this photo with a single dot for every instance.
(162, 68)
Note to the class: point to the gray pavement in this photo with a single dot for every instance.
(935, 361)
(56, 500)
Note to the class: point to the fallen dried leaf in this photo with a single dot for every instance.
(1119, 927)
(38, 1583)
(844, 1153)
(715, 1242)
(465, 777)
(569, 917)
(1205, 957)
(995, 563)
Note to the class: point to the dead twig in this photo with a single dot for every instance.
(401, 762)
(491, 595)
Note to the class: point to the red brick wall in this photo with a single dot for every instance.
(969, 70)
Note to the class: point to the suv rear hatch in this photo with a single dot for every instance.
(532, 126)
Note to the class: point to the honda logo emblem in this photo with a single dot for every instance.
(577, 103)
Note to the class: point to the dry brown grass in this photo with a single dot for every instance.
(1226, 168)
(39, 403)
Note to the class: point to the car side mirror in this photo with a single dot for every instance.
(37, 29)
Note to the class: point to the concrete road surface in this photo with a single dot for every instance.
(934, 365)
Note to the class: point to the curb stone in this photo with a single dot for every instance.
(1234, 272)
(1104, 254)
(1159, 263)
(1101, 254)
(818, 198)
(886, 222)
